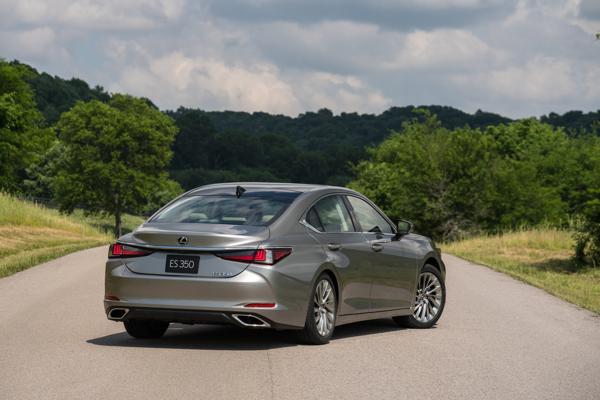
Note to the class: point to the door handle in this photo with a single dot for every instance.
(334, 246)
(377, 246)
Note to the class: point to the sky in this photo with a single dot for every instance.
(518, 58)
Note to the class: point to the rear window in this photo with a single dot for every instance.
(252, 208)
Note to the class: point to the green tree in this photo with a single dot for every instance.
(115, 157)
(441, 179)
(22, 139)
(585, 198)
(587, 231)
(464, 180)
(195, 140)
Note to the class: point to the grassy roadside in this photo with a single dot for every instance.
(107, 223)
(540, 257)
(32, 234)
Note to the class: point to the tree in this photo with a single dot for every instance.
(195, 139)
(115, 157)
(587, 231)
(467, 180)
(586, 200)
(22, 138)
(440, 179)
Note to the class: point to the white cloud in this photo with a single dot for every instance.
(443, 49)
(181, 80)
(94, 14)
(37, 44)
(35, 41)
(176, 79)
(541, 84)
(591, 87)
(519, 58)
(541, 79)
(340, 93)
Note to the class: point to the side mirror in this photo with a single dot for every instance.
(404, 227)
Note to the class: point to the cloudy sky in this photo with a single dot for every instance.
(517, 58)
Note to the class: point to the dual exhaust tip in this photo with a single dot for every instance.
(246, 320)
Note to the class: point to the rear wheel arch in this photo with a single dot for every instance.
(335, 283)
(330, 271)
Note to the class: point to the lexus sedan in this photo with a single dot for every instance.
(272, 255)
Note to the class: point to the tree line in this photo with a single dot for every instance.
(457, 182)
(453, 172)
(315, 147)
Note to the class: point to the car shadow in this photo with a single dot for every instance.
(224, 337)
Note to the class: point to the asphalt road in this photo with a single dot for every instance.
(498, 339)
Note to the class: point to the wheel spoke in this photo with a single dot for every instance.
(327, 294)
(324, 308)
(428, 298)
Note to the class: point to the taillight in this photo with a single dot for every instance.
(258, 256)
(118, 250)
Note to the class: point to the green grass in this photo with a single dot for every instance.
(32, 234)
(106, 223)
(541, 257)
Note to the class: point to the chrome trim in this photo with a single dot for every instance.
(312, 228)
(180, 248)
(302, 219)
(264, 324)
(115, 309)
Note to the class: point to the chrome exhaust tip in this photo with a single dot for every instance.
(117, 314)
(250, 321)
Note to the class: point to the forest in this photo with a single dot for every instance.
(316, 147)
(452, 172)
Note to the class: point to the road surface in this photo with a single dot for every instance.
(498, 339)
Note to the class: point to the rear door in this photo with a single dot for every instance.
(330, 223)
(391, 264)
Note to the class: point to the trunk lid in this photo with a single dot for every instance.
(203, 240)
(162, 235)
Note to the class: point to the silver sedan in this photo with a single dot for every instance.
(272, 255)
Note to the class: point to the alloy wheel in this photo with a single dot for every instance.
(428, 299)
(324, 307)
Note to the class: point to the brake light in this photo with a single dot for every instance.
(118, 250)
(258, 256)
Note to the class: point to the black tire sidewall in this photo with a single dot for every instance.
(146, 329)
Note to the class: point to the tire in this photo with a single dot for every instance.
(315, 331)
(423, 317)
(145, 329)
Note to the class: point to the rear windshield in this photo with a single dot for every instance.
(255, 208)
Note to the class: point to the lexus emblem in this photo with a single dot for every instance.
(182, 240)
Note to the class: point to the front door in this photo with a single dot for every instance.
(391, 263)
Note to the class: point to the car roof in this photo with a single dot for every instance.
(263, 186)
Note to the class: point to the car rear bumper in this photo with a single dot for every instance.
(206, 300)
(242, 319)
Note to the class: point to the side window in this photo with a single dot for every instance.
(313, 220)
(368, 218)
(330, 215)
